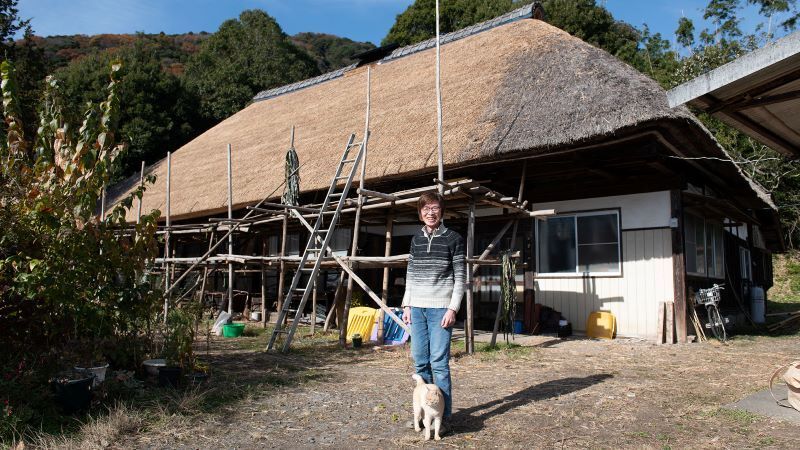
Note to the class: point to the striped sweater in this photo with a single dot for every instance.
(436, 270)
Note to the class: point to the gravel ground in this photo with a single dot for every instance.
(549, 393)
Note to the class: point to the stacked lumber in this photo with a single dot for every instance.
(792, 320)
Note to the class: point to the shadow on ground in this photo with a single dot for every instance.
(472, 419)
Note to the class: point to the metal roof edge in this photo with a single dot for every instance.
(737, 69)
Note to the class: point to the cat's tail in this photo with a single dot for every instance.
(418, 379)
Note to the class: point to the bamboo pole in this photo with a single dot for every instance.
(103, 203)
(263, 283)
(230, 236)
(314, 308)
(166, 239)
(139, 199)
(469, 331)
(205, 269)
(357, 222)
(439, 103)
(493, 244)
(387, 251)
(282, 274)
(336, 297)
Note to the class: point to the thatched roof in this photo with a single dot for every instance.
(519, 85)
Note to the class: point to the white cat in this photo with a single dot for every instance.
(428, 402)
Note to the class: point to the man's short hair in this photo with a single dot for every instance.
(430, 197)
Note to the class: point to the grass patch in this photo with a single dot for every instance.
(739, 416)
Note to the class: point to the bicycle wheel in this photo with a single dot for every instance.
(717, 325)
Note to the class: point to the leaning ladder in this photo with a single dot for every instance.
(317, 244)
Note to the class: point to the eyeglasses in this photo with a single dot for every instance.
(431, 209)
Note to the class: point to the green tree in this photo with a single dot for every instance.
(418, 21)
(243, 57)
(66, 274)
(158, 112)
(331, 52)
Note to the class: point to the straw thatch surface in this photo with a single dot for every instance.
(524, 86)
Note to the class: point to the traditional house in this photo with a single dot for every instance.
(647, 204)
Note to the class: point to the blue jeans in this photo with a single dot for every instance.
(430, 348)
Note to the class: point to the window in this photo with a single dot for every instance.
(744, 263)
(583, 243)
(704, 247)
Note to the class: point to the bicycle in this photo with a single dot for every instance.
(710, 299)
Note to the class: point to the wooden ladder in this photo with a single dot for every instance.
(318, 241)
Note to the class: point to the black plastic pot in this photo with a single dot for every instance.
(73, 395)
(169, 376)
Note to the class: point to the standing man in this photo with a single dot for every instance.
(434, 287)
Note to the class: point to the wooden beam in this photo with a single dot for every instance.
(678, 266)
(469, 331)
(282, 274)
(368, 193)
(491, 245)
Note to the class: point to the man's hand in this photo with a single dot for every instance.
(407, 315)
(449, 319)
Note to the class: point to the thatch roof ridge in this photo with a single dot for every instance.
(517, 14)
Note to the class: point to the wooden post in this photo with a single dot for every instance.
(357, 222)
(166, 238)
(387, 251)
(205, 270)
(139, 199)
(230, 236)
(669, 323)
(469, 331)
(314, 308)
(263, 282)
(660, 324)
(678, 265)
(282, 274)
(336, 297)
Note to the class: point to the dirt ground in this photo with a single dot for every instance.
(576, 393)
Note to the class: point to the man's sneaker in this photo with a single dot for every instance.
(444, 428)
(410, 424)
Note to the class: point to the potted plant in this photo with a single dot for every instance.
(73, 390)
(177, 353)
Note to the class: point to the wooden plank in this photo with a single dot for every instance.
(660, 328)
(263, 283)
(678, 266)
(369, 193)
(669, 323)
(282, 274)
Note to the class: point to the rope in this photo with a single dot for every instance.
(508, 293)
(291, 195)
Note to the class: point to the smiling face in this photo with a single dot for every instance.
(431, 214)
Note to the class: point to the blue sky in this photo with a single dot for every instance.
(360, 20)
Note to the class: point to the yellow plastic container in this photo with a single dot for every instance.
(601, 324)
(360, 320)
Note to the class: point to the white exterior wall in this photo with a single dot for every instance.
(647, 274)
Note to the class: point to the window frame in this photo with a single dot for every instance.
(576, 274)
(710, 257)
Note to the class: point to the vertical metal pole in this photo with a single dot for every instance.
(230, 237)
(166, 237)
(139, 200)
(439, 102)
(469, 331)
(357, 223)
